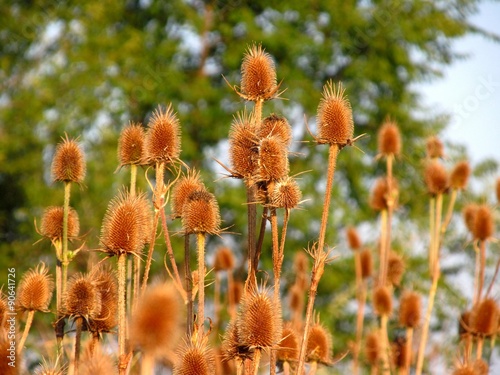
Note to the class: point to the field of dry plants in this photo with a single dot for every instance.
(121, 318)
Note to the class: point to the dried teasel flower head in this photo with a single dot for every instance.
(285, 193)
(366, 261)
(484, 317)
(274, 125)
(106, 284)
(3, 309)
(243, 146)
(296, 299)
(465, 369)
(469, 215)
(96, 362)
(258, 75)
(334, 118)
(481, 367)
(163, 137)
(436, 177)
(380, 194)
(157, 323)
(201, 213)
(288, 350)
(382, 300)
(35, 289)
(131, 144)
(126, 224)
(48, 368)
(319, 344)
(389, 139)
(236, 289)
(459, 176)
(195, 357)
(83, 298)
(395, 269)
(410, 309)
(232, 347)
(273, 159)
(68, 163)
(372, 348)
(399, 352)
(483, 224)
(52, 223)
(183, 188)
(353, 238)
(224, 259)
(434, 148)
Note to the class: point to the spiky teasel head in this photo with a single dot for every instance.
(465, 369)
(366, 263)
(107, 286)
(183, 188)
(395, 269)
(157, 323)
(131, 145)
(224, 259)
(195, 357)
(52, 223)
(285, 194)
(126, 224)
(483, 225)
(83, 299)
(163, 137)
(319, 344)
(353, 238)
(296, 299)
(288, 350)
(35, 289)
(243, 146)
(382, 301)
(273, 159)
(201, 213)
(372, 348)
(436, 178)
(469, 215)
(399, 352)
(96, 362)
(380, 194)
(232, 346)
(484, 317)
(334, 118)
(481, 367)
(410, 309)
(258, 75)
(274, 125)
(459, 176)
(434, 148)
(49, 368)
(389, 139)
(68, 163)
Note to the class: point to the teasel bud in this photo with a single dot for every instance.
(436, 178)
(382, 301)
(35, 290)
(68, 163)
(273, 159)
(224, 259)
(399, 352)
(434, 148)
(484, 317)
(126, 224)
(389, 139)
(459, 176)
(410, 309)
(186, 185)
(372, 348)
(96, 362)
(243, 147)
(195, 358)
(163, 137)
(82, 299)
(483, 225)
(285, 193)
(288, 350)
(366, 261)
(258, 75)
(274, 125)
(319, 345)
(156, 325)
(334, 118)
(52, 223)
(353, 238)
(395, 269)
(201, 213)
(469, 215)
(379, 195)
(107, 286)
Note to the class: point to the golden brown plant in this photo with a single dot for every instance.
(436, 178)
(68, 163)
(372, 348)
(288, 350)
(163, 137)
(382, 301)
(483, 224)
(497, 190)
(96, 362)
(107, 286)
(395, 269)
(200, 213)
(131, 145)
(366, 261)
(459, 176)
(484, 317)
(434, 148)
(35, 290)
(469, 215)
(273, 159)
(319, 345)
(353, 238)
(379, 195)
(285, 194)
(243, 147)
(83, 299)
(186, 185)
(389, 139)
(278, 126)
(52, 223)
(195, 357)
(224, 259)
(410, 309)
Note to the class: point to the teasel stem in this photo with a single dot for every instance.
(383, 242)
(256, 361)
(260, 241)
(449, 211)
(252, 224)
(65, 261)
(122, 321)
(409, 341)
(386, 369)
(361, 297)
(201, 280)
(286, 368)
(150, 251)
(147, 364)
(230, 297)
(29, 321)
(390, 209)
(313, 368)
(78, 339)
(437, 237)
(479, 347)
(257, 111)
(432, 225)
(482, 265)
(217, 305)
(59, 324)
(133, 266)
(189, 286)
(133, 179)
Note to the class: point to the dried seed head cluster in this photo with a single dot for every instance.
(285, 194)
(126, 224)
(131, 145)
(399, 352)
(273, 159)
(483, 224)
(372, 348)
(224, 259)
(163, 137)
(410, 309)
(96, 362)
(186, 185)
(35, 290)
(395, 269)
(353, 238)
(436, 177)
(243, 146)
(319, 344)
(334, 118)
(288, 350)
(201, 213)
(434, 148)
(469, 215)
(382, 301)
(380, 194)
(258, 75)
(366, 261)
(389, 139)
(195, 358)
(68, 164)
(52, 223)
(484, 317)
(232, 348)
(459, 176)
(106, 284)
(83, 299)
(278, 126)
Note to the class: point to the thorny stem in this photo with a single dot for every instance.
(201, 280)
(252, 223)
(150, 251)
(122, 258)
(385, 345)
(482, 265)
(390, 209)
(409, 352)
(78, 338)
(432, 224)
(27, 327)
(170, 252)
(262, 232)
(65, 261)
(437, 237)
(147, 364)
(449, 211)
(479, 348)
(189, 286)
(256, 361)
(59, 324)
(383, 243)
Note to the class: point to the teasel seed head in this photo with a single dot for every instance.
(35, 290)
(258, 75)
(96, 363)
(483, 223)
(379, 195)
(481, 367)
(236, 289)
(353, 238)
(126, 224)
(163, 137)
(201, 213)
(232, 346)
(107, 286)
(296, 296)
(285, 193)
(465, 369)
(288, 350)
(274, 125)
(82, 299)
(334, 118)
(366, 263)
(68, 163)
(131, 145)
(436, 178)
(224, 259)
(410, 309)
(434, 148)
(459, 176)
(382, 301)
(52, 223)
(186, 185)
(484, 317)
(49, 368)
(372, 348)
(319, 344)
(389, 139)
(469, 215)
(243, 146)
(195, 358)
(273, 159)
(399, 352)
(157, 323)
(395, 269)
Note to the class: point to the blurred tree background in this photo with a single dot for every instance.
(89, 67)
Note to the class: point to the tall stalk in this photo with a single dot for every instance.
(201, 279)
(122, 334)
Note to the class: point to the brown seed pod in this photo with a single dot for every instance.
(96, 363)
(231, 347)
(258, 75)
(52, 223)
(366, 263)
(35, 290)
(131, 145)
(483, 225)
(379, 195)
(469, 215)
(273, 159)
(296, 296)
(201, 213)
(353, 238)
(126, 224)
(372, 348)
(195, 358)
(106, 284)
(334, 118)
(480, 367)
(459, 176)
(157, 323)
(224, 259)
(395, 269)
(236, 289)
(288, 350)
(243, 146)
(163, 137)
(82, 299)
(389, 139)
(399, 352)
(278, 126)
(484, 317)
(382, 301)
(410, 309)
(186, 185)
(436, 178)
(285, 194)
(319, 344)
(434, 148)
(68, 164)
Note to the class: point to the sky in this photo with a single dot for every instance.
(470, 90)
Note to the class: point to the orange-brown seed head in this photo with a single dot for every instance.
(289, 345)
(484, 317)
(395, 269)
(389, 139)
(382, 301)
(68, 164)
(372, 348)
(35, 289)
(497, 189)
(163, 137)
(399, 352)
(319, 344)
(483, 225)
(82, 299)
(410, 309)
(273, 159)
(52, 223)
(195, 358)
(258, 75)
(366, 261)
(353, 238)
(224, 259)
(106, 284)
(131, 145)
(469, 216)
(434, 148)
(184, 187)
(380, 194)
(285, 194)
(243, 146)
(201, 213)
(436, 178)
(459, 176)
(278, 126)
